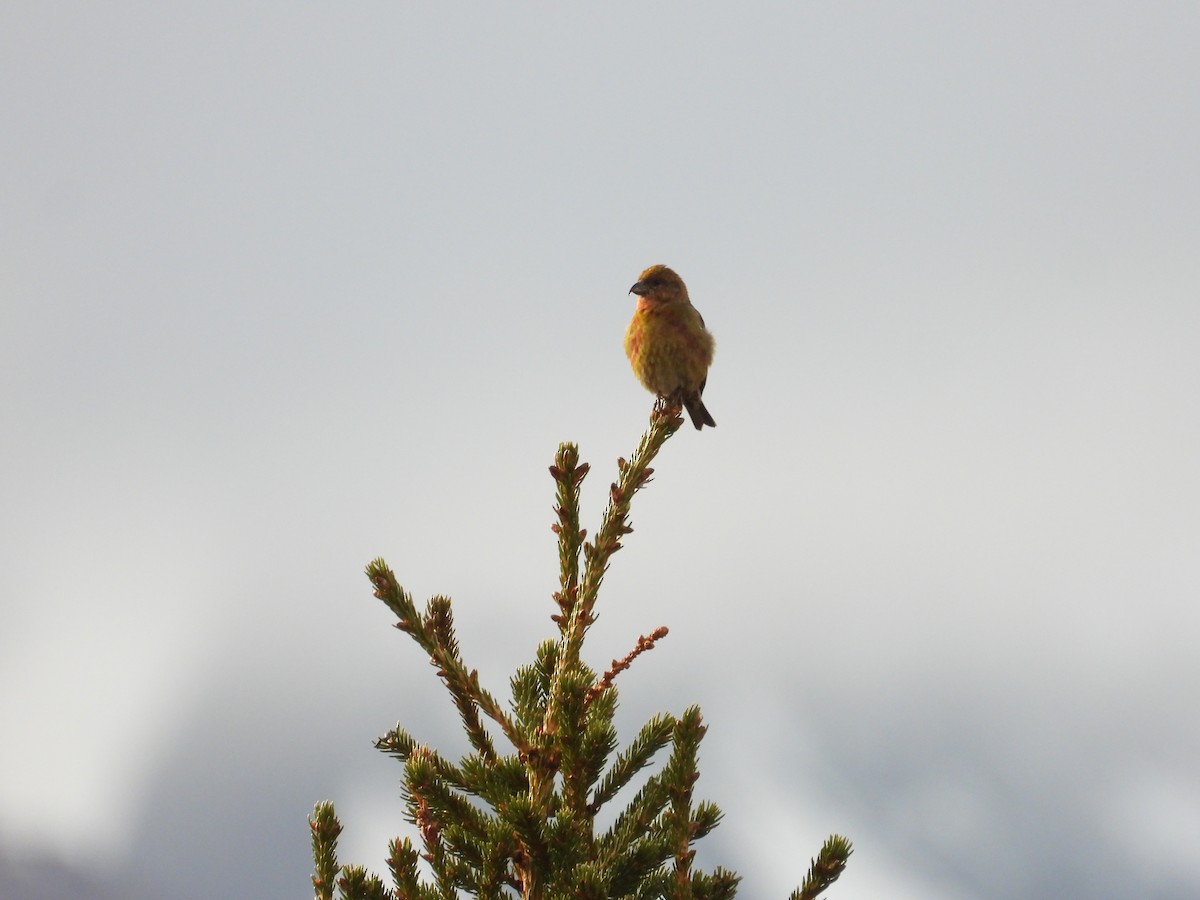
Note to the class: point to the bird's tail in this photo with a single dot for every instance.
(697, 411)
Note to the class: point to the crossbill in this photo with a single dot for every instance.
(667, 344)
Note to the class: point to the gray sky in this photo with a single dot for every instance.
(289, 287)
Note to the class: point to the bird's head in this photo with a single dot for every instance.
(658, 283)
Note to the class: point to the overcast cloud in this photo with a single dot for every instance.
(287, 287)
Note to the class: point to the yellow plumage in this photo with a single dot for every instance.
(667, 344)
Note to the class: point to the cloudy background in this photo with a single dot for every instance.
(286, 287)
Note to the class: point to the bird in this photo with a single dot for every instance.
(668, 346)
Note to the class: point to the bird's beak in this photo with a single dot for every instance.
(639, 288)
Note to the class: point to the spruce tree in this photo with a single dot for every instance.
(521, 821)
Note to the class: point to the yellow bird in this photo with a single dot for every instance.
(667, 344)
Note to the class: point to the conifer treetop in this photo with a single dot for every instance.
(522, 820)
